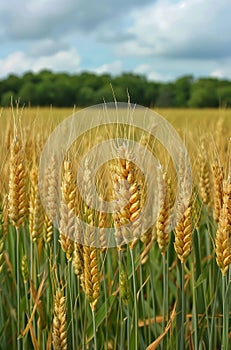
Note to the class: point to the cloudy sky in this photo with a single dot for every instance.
(162, 39)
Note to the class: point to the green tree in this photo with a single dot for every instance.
(166, 96)
(28, 94)
(151, 93)
(86, 96)
(204, 94)
(182, 88)
(7, 98)
(45, 93)
(12, 83)
(224, 96)
(132, 84)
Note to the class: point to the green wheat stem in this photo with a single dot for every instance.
(165, 296)
(71, 304)
(94, 330)
(183, 308)
(128, 327)
(103, 257)
(18, 286)
(135, 300)
(194, 311)
(120, 316)
(85, 323)
(225, 325)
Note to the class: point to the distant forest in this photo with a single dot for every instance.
(64, 90)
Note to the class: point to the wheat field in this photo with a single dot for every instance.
(164, 289)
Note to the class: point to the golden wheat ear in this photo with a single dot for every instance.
(162, 222)
(128, 196)
(36, 212)
(223, 234)
(204, 184)
(183, 235)
(59, 327)
(17, 199)
(217, 173)
(67, 211)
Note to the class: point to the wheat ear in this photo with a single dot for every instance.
(223, 234)
(17, 200)
(36, 213)
(59, 332)
(162, 222)
(91, 279)
(67, 211)
(218, 190)
(204, 184)
(184, 228)
(126, 186)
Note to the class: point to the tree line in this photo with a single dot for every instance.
(65, 90)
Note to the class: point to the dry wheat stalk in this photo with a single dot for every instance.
(59, 332)
(17, 201)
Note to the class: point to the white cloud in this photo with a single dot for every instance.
(218, 73)
(147, 70)
(222, 70)
(39, 19)
(47, 47)
(184, 29)
(113, 68)
(60, 61)
(19, 62)
(159, 38)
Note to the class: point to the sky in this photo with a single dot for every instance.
(161, 39)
